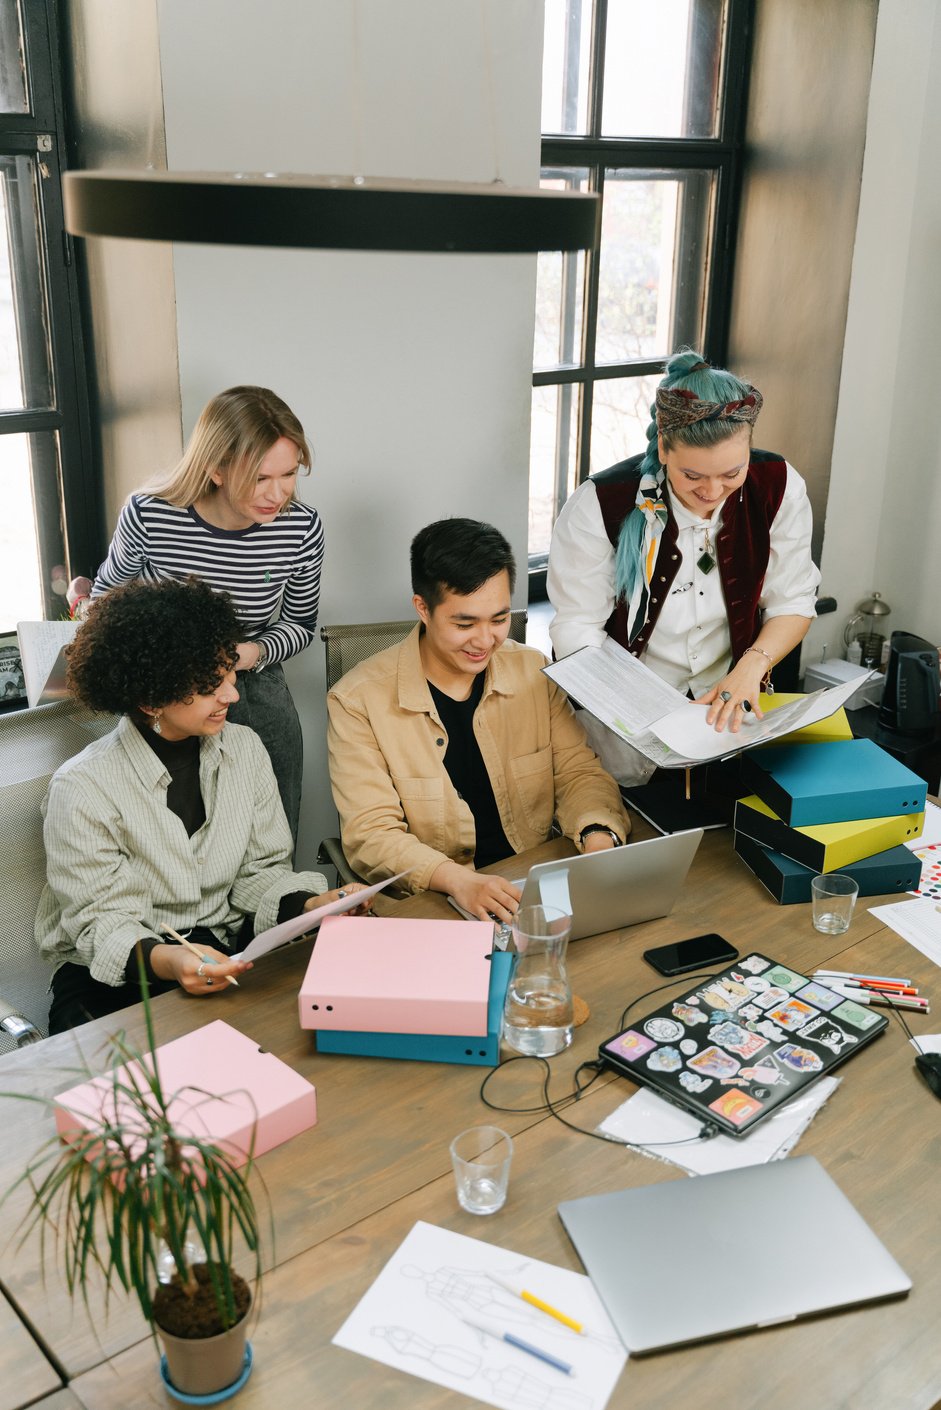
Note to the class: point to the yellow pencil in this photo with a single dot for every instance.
(195, 950)
(519, 1291)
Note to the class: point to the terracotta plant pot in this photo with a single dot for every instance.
(205, 1365)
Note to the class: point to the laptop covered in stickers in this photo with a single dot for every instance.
(738, 1045)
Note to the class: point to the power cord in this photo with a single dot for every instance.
(596, 1067)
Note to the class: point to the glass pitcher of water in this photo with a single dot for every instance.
(538, 1014)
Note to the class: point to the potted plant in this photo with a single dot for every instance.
(128, 1192)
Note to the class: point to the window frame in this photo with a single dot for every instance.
(67, 494)
(722, 154)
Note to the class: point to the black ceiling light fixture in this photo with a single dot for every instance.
(329, 212)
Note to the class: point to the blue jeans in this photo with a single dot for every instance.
(266, 706)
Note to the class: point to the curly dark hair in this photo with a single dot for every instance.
(153, 644)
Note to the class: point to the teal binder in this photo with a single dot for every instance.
(837, 781)
(432, 1047)
(883, 874)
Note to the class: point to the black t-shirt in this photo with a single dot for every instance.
(468, 772)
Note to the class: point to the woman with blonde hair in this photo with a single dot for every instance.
(228, 513)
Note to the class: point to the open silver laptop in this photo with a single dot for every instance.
(636, 1246)
(611, 889)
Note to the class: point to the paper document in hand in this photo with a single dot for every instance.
(279, 935)
(660, 722)
(41, 652)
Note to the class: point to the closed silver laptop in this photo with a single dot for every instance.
(641, 1249)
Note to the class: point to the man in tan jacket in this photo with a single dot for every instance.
(452, 750)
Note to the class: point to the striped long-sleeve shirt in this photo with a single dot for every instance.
(267, 568)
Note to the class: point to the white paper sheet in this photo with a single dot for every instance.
(666, 727)
(41, 646)
(279, 935)
(649, 1122)
(411, 1319)
(931, 832)
(918, 921)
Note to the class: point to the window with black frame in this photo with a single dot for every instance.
(50, 519)
(643, 102)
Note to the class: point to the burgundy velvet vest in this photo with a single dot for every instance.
(742, 546)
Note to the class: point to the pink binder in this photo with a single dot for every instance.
(246, 1083)
(375, 974)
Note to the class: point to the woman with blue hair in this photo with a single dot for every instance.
(695, 556)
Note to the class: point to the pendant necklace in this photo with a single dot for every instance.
(706, 560)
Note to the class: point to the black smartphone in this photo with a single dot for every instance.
(698, 953)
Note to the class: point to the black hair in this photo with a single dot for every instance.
(153, 644)
(458, 555)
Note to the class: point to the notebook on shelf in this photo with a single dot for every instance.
(738, 1045)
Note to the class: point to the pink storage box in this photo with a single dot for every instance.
(247, 1085)
(374, 974)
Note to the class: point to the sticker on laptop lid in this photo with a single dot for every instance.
(630, 1045)
(725, 994)
(736, 1039)
(769, 1029)
(688, 1015)
(791, 1015)
(664, 1030)
(755, 964)
(798, 1059)
(820, 996)
(756, 984)
(786, 978)
(714, 1062)
(823, 1030)
(764, 1071)
(665, 1059)
(693, 1083)
(688, 1046)
(855, 1014)
(770, 997)
(735, 1106)
(748, 1011)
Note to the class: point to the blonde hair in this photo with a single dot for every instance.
(234, 433)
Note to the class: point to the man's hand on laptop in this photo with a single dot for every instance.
(484, 896)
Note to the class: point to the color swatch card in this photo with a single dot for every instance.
(221, 1083)
(837, 781)
(413, 1319)
(376, 974)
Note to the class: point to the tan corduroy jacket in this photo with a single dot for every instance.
(398, 808)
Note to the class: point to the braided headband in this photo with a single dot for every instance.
(677, 408)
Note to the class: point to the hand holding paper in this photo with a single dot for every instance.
(290, 929)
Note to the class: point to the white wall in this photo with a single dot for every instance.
(411, 373)
(883, 523)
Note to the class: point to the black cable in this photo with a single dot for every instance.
(706, 1133)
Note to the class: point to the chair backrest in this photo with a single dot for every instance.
(33, 743)
(349, 644)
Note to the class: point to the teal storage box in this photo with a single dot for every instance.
(896, 870)
(433, 1047)
(841, 780)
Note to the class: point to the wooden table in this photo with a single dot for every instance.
(345, 1194)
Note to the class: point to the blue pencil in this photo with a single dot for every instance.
(492, 1330)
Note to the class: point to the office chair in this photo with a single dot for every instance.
(33, 743)
(346, 646)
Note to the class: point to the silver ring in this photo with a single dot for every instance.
(201, 968)
(725, 695)
(208, 982)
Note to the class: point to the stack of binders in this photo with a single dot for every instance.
(833, 805)
(429, 990)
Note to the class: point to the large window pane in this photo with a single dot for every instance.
(24, 344)
(662, 63)
(654, 239)
(565, 59)
(13, 97)
(32, 574)
(620, 416)
(560, 286)
(552, 459)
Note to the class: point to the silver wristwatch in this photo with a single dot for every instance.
(262, 656)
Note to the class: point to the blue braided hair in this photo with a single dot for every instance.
(707, 383)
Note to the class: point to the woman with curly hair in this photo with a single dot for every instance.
(174, 818)
(229, 513)
(695, 556)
